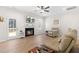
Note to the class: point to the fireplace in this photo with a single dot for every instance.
(29, 31)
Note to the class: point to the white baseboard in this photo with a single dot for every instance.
(3, 40)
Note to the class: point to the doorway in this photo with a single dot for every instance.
(11, 28)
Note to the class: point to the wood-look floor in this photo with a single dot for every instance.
(24, 44)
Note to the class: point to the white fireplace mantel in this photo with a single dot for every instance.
(29, 25)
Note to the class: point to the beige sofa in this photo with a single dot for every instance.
(66, 42)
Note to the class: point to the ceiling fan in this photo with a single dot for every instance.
(45, 9)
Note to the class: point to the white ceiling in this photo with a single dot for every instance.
(54, 10)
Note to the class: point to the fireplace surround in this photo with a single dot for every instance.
(29, 31)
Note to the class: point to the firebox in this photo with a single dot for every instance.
(29, 31)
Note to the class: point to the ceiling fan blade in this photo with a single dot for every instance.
(46, 10)
(42, 7)
(47, 7)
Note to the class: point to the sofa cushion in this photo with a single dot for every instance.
(65, 42)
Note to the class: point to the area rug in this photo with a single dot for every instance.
(42, 49)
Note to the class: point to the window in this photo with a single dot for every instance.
(12, 27)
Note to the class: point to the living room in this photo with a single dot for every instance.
(23, 28)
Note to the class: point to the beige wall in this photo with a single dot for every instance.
(70, 21)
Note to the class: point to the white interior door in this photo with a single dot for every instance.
(39, 26)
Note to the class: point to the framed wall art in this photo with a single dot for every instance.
(56, 21)
(1, 18)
